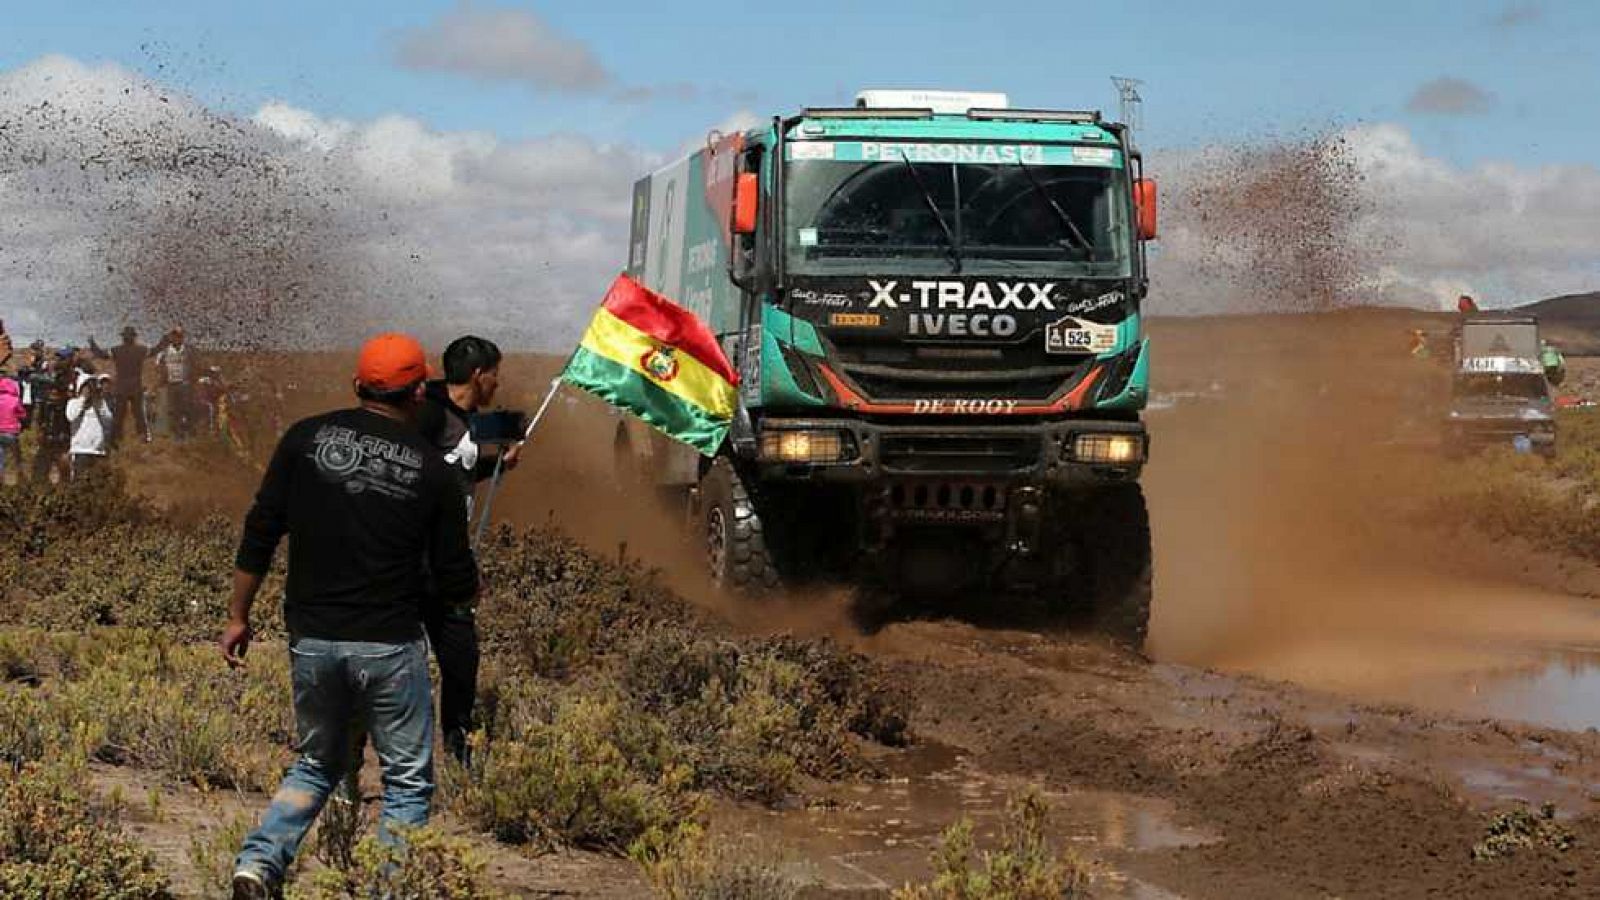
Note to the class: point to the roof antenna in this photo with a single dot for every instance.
(1130, 105)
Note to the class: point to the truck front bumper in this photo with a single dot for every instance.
(1477, 434)
(1063, 452)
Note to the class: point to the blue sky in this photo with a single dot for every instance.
(1215, 71)
(485, 150)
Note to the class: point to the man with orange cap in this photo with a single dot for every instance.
(374, 517)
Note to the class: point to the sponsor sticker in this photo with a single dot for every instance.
(811, 150)
(807, 237)
(958, 154)
(965, 407)
(1069, 335)
(1110, 298)
(960, 296)
(855, 320)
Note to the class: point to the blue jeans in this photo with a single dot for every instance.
(335, 683)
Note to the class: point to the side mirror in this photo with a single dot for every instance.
(746, 202)
(1144, 202)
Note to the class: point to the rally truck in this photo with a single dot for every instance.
(932, 300)
(1500, 391)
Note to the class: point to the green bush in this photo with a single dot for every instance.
(131, 696)
(609, 703)
(574, 767)
(1026, 867)
(688, 865)
(426, 866)
(55, 845)
(1524, 830)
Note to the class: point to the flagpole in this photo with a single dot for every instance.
(500, 462)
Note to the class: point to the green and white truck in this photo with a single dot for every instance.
(933, 301)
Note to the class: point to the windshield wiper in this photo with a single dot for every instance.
(1061, 214)
(933, 207)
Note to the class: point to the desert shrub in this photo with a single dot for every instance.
(129, 696)
(1578, 448)
(553, 606)
(151, 577)
(745, 717)
(1508, 505)
(688, 865)
(1025, 867)
(573, 767)
(426, 866)
(56, 844)
(752, 717)
(608, 700)
(36, 518)
(211, 854)
(1523, 830)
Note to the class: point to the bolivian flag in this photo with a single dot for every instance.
(648, 356)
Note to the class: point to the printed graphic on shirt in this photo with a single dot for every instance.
(365, 462)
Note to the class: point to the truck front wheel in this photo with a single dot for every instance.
(1110, 534)
(736, 538)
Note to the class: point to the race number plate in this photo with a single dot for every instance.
(1070, 335)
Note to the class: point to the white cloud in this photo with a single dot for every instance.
(123, 202)
(498, 43)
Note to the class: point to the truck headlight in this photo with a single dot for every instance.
(1117, 449)
(805, 446)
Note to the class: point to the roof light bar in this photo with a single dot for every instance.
(863, 112)
(1081, 117)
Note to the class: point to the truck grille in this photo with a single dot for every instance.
(899, 371)
(911, 384)
(931, 453)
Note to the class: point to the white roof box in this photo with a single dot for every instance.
(942, 102)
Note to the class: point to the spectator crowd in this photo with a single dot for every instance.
(64, 410)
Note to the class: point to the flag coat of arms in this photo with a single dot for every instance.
(650, 357)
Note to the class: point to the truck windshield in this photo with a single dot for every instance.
(848, 217)
(1520, 386)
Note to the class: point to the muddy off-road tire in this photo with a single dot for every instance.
(734, 535)
(1111, 530)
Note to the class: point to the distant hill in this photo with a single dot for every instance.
(1579, 310)
(1571, 322)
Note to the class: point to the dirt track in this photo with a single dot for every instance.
(1279, 495)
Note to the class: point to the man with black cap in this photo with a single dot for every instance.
(374, 516)
(127, 391)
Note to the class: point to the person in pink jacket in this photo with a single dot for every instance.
(12, 415)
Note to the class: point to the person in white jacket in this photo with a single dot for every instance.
(89, 416)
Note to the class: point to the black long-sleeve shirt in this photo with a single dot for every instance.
(374, 516)
(448, 428)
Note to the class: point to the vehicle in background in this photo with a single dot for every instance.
(933, 302)
(1501, 392)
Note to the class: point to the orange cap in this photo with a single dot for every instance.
(390, 362)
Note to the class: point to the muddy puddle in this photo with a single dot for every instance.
(1559, 688)
(876, 836)
(1457, 646)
